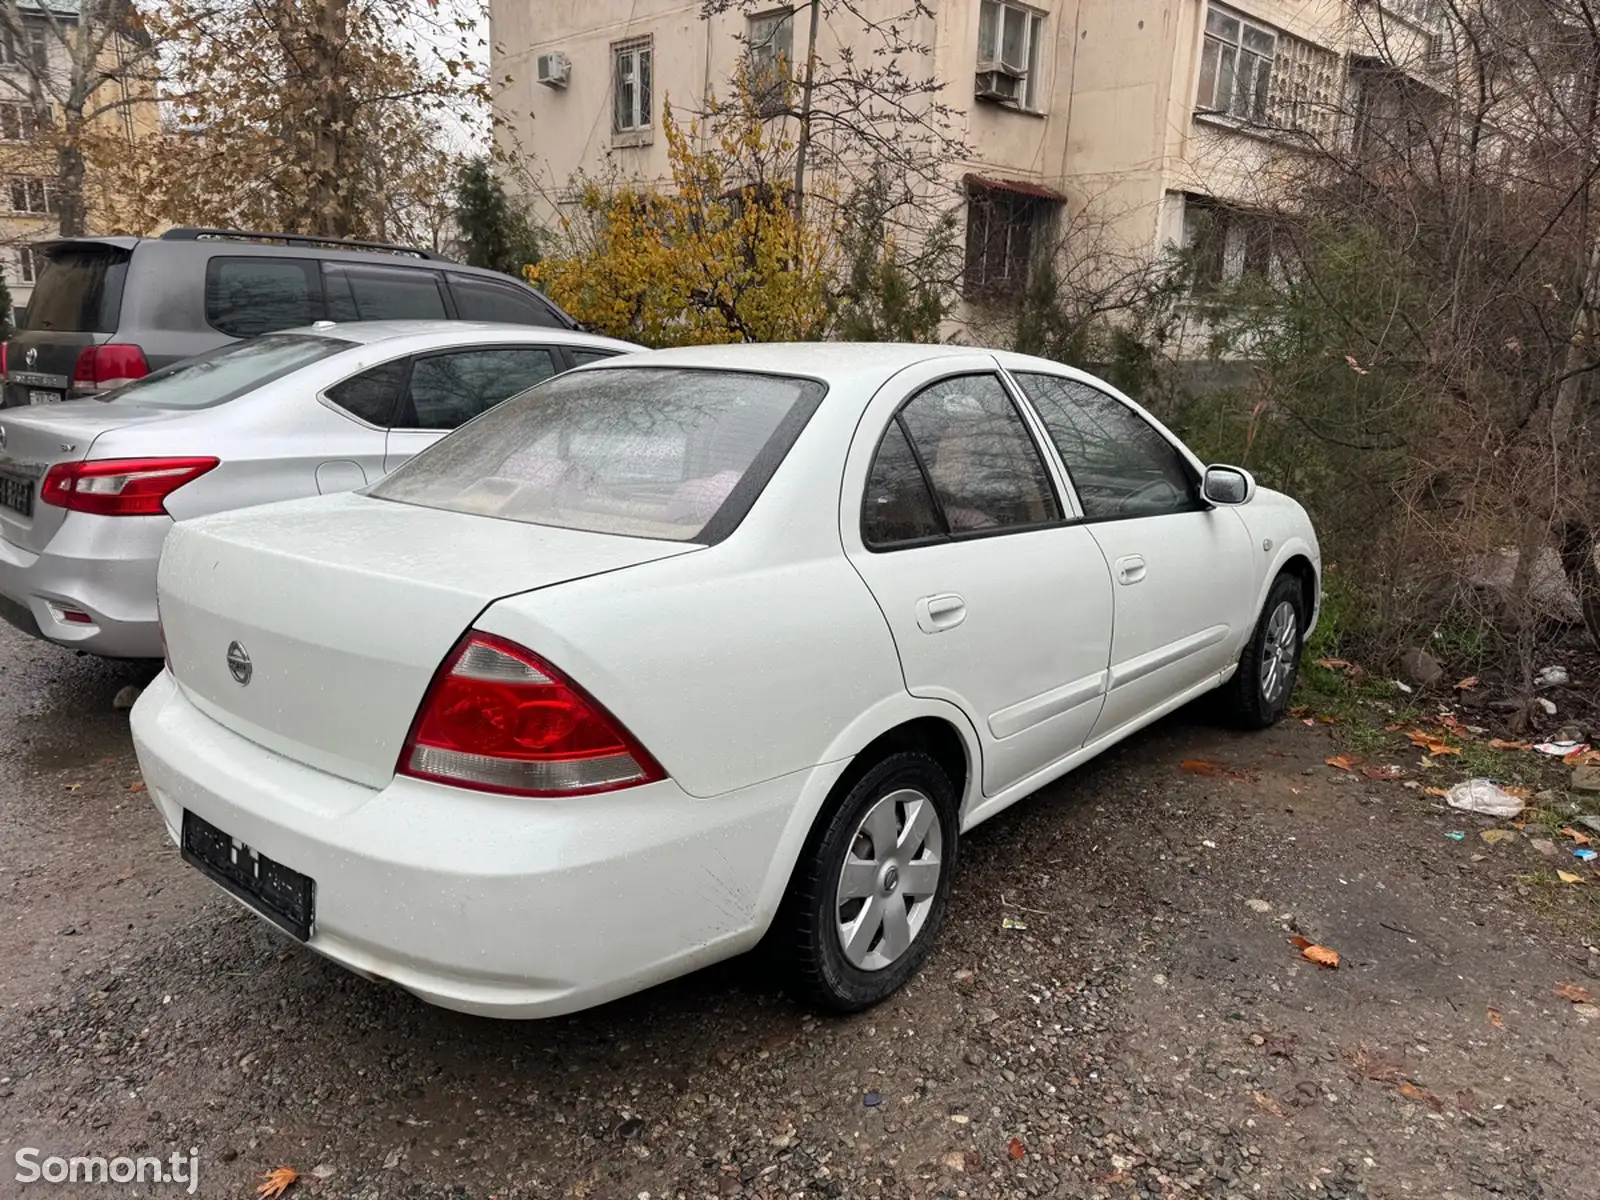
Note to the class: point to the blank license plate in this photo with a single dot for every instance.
(36, 396)
(282, 895)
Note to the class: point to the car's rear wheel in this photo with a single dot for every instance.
(870, 891)
(1259, 692)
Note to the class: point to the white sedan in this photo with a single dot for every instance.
(688, 646)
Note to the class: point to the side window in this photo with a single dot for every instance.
(448, 390)
(482, 300)
(1120, 465)
(985, 470)
(371, 394)
(582, 358)
(250, 296)
(384, 294)
(897, 507)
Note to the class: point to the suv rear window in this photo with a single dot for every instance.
(79, 290)
(228, 373)
(645, 452)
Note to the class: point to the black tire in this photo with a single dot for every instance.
(1244, 699)
(823, 975)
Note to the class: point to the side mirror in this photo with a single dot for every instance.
(1228, 485)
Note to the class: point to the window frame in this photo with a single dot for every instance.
(1067, 511)
(1032, 57)
(639, 53)
(309, 266)
(1190, 464)
(983, 203)
(1260, 97)
(770, 64)
(558, 358)
(47, 193)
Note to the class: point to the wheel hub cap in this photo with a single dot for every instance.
(1278, 651)
(889, 879)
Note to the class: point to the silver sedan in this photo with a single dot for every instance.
(89, 488)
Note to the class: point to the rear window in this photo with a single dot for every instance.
(79, 290)
(643, 452)
(228, 373)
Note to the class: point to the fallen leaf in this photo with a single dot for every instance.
(137, 786)
(1467, 684)
(1267, 1104)
(1503, 744)
(1432, 744)
(276, 1182)
(1582, 758)
(1496, 1019)
(1333, 664)
(1569, 877)
(1385, 771)
(1495, 836)
(1435, 791)
(1325, 719)
(1582, 839)
(1017, 1150)
(1201, 766)
(1320, 955)
(1298, 710)
(1343, 761)
(72, 787)
(1573, 992)
(1521, 793)
(1412, 1092)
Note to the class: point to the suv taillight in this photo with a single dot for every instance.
(120, 487)
(499, 719)
(108, 366)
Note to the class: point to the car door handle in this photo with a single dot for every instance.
(935, 614)
(1130, 568)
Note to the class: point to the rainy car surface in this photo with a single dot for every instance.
(695, 647)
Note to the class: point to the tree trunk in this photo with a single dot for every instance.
(69, 180)
(332, 120)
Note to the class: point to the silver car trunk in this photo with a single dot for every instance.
(314, 627)
(32, 440)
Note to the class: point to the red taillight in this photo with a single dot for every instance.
(120, 487)
(499, 719)
(109, 366)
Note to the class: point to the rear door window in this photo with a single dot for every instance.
(384, 294)
(448, 390)
(250, 296)
(485, 300)
(80, 290)
(371, 395)
(646, 452)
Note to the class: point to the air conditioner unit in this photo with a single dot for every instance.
(996, 81)
(553, 69)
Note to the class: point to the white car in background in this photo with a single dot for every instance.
(694, 644)
(89, 488)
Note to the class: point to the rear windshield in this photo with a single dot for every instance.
(644, 452)
(79, 290)
(228, 373)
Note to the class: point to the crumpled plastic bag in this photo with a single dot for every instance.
(1483, 796)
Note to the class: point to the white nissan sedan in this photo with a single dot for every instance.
(688, 646)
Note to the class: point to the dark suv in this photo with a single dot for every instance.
(107, 310)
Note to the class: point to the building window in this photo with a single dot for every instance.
(1235, 66)
(771, 49)
(16, 49)
(1007, 228)
(1227, 244)
(18, 122)
(33, 195)
(631, 85)
(1010, 40)
(25, 269)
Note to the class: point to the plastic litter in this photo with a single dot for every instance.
(1455, 835)
(872, 1099)
(1012, 923)
(1483, 796)
(1585, 855)
(1549, 706)
(1561, 749)
(1552, 677)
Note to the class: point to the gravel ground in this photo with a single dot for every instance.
(1150, 1033)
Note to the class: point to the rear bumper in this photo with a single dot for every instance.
(485, 904)
(104, 567)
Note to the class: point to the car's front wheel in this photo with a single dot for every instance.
(870, 892)
(1259, 691)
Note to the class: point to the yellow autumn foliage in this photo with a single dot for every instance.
(717, 257)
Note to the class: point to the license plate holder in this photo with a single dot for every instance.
(280, 894)
(41, 396)
(16, 494)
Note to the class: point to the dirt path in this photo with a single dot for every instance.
(1150, 1033)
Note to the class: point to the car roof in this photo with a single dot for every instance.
(830, 361)
(452, 332)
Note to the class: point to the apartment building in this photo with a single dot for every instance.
(1166, 115)
(123, 110)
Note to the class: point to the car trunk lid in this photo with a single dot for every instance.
(313, 628)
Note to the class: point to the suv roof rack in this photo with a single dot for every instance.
(188, 233)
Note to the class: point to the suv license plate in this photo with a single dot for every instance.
(35, 396)
(278, 893)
